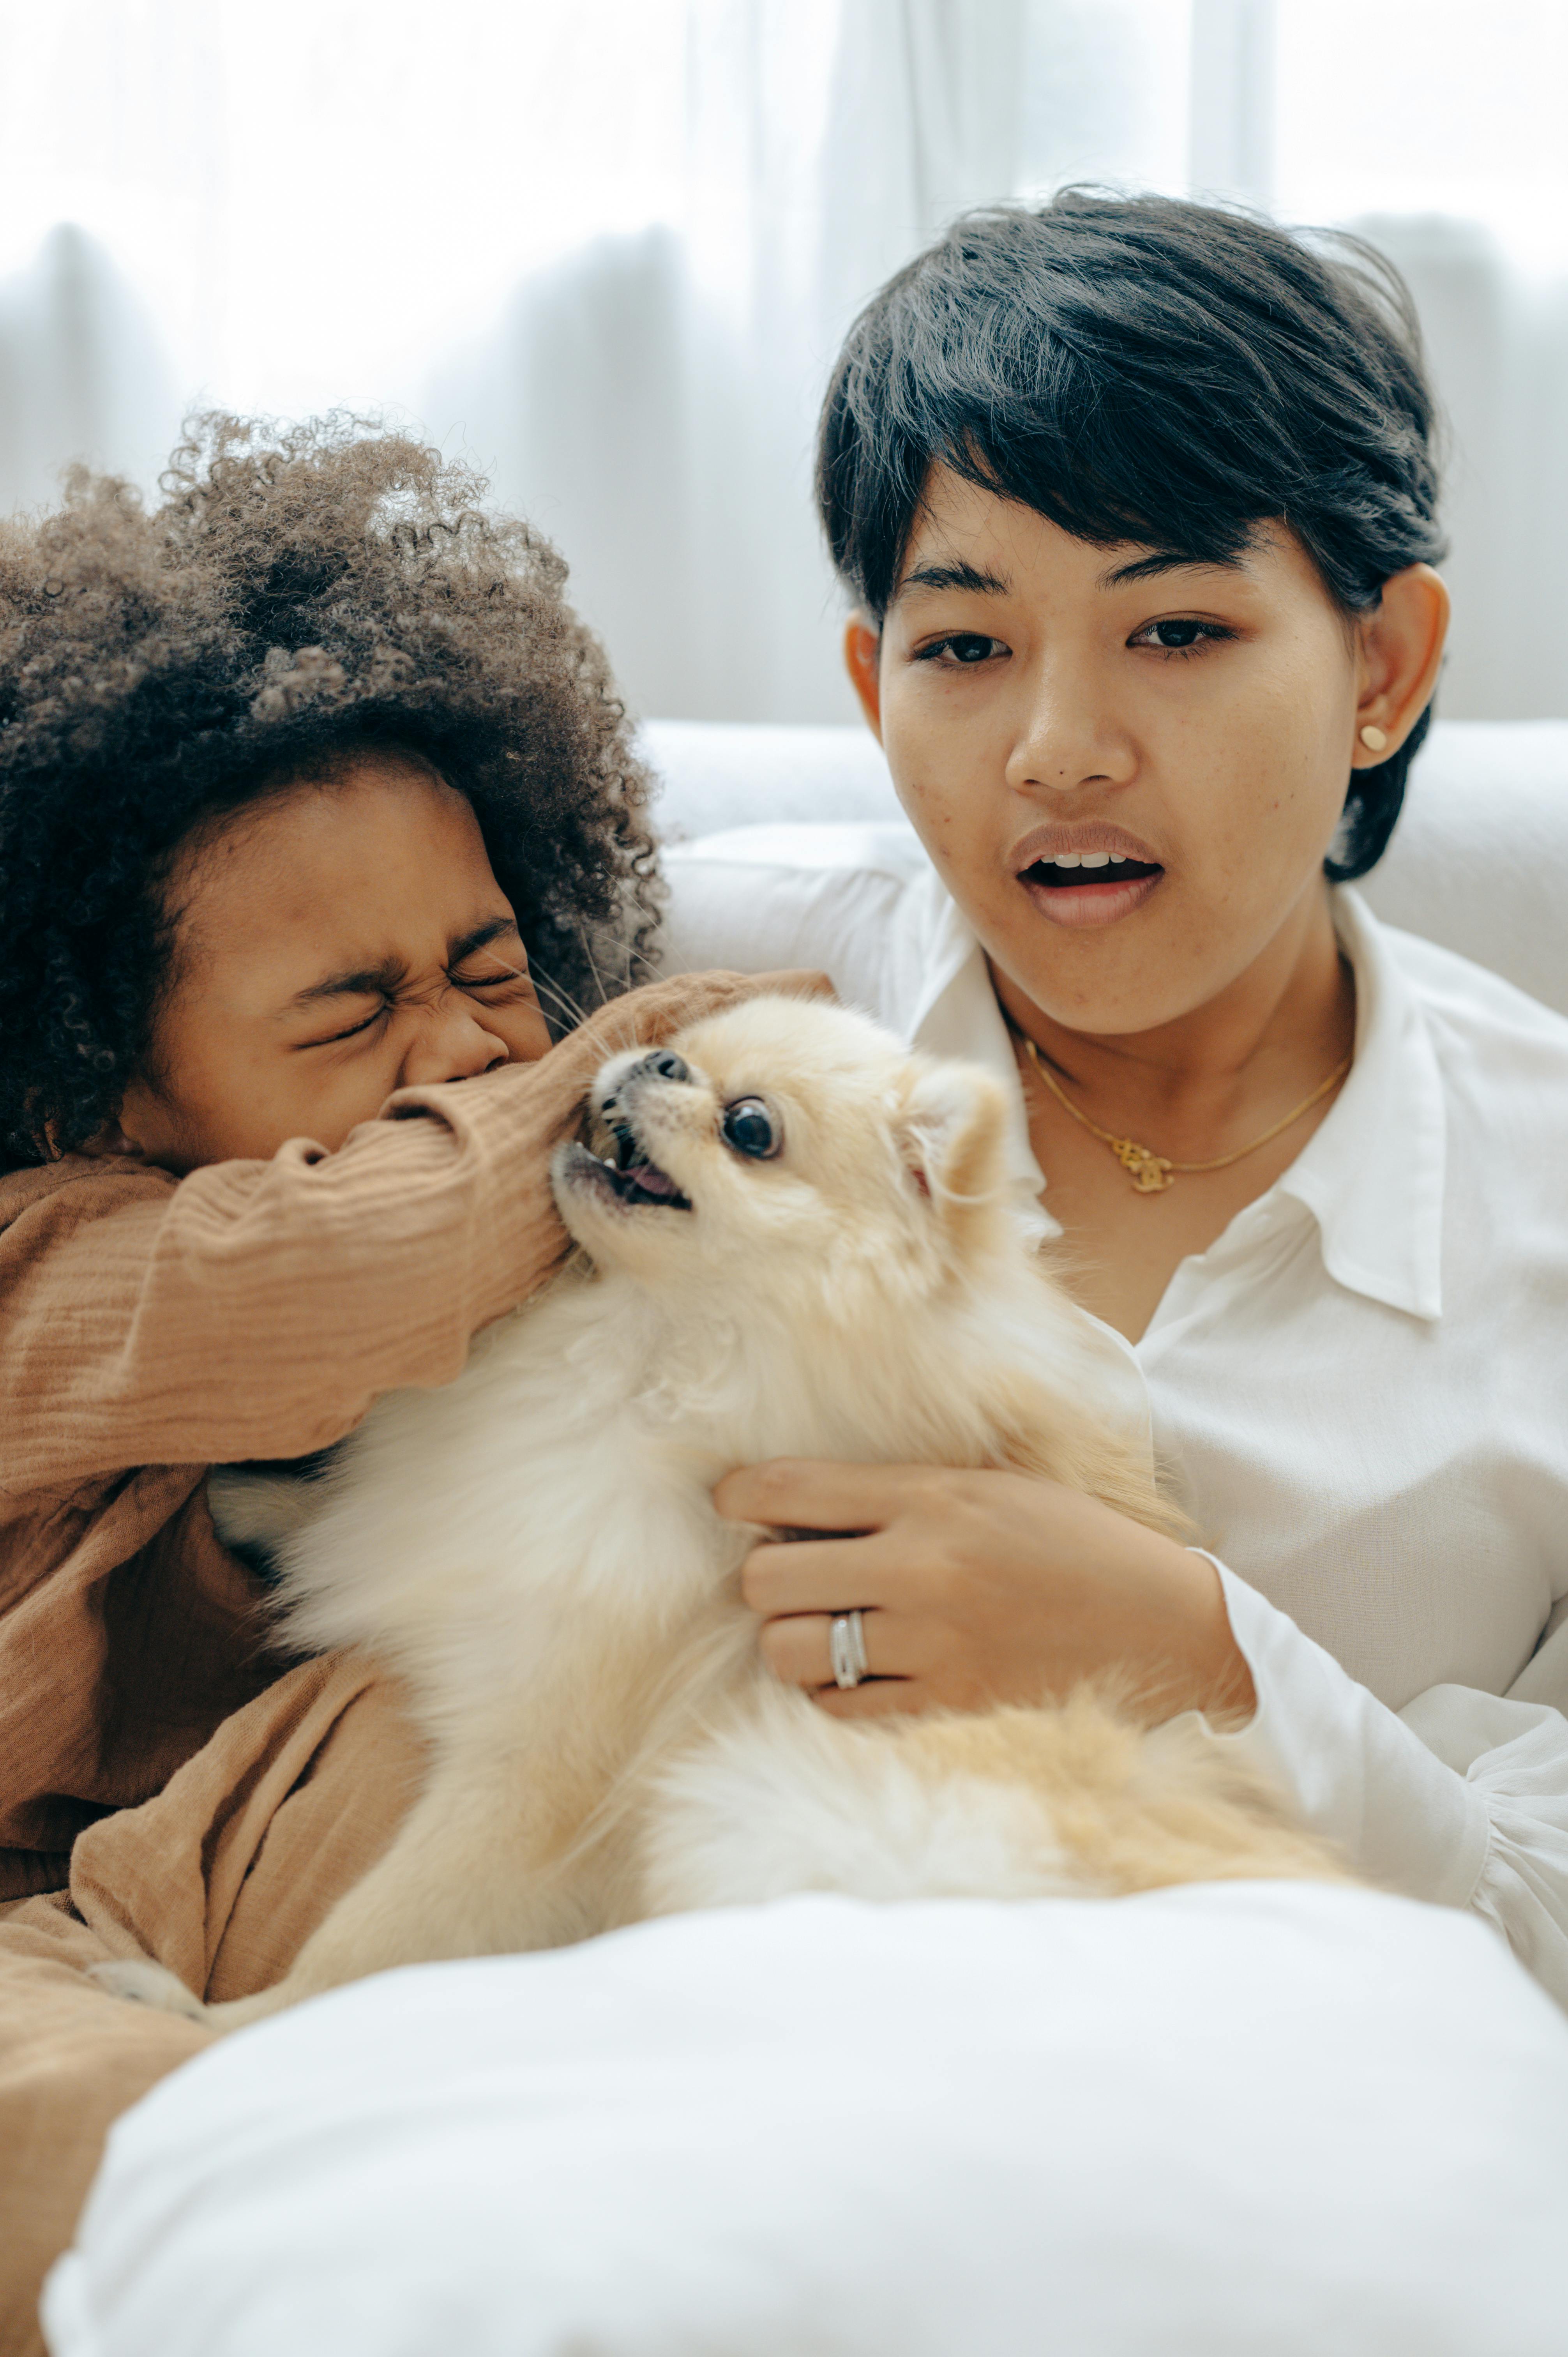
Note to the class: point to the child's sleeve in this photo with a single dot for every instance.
(256, 1308)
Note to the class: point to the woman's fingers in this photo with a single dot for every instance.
(797, 1649)
(817, 1576)
(807, 1494)
(877, 1698)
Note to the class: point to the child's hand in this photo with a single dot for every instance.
(652, 1013)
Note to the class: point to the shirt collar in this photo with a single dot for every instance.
(1371, 1175)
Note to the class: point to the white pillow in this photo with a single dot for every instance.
(1260, 2120)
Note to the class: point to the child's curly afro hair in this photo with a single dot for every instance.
(300, 593)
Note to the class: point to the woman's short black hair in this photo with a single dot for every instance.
(1141, 369)
(300, 594)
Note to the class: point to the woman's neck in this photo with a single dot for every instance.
(1236, 1084)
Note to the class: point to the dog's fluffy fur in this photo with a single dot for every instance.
(534, 1552)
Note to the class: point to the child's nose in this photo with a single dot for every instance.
(451, 1044)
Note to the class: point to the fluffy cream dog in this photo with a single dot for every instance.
(796, 1242)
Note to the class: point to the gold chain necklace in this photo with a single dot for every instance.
(1152, 1173)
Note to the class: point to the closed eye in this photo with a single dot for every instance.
(333, 1039)
(352, 1031)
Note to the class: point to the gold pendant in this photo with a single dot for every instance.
(1149, 1173)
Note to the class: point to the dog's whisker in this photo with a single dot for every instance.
(586, 938)
(659, 969)
(544, 976)
(557, 999)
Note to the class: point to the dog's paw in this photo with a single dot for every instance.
(140, 1982)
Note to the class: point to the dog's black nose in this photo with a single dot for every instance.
(660, 1064)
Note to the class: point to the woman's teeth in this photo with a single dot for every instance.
(1066, 868)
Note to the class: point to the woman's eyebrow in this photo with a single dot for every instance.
(1169, 560)
(956, 576)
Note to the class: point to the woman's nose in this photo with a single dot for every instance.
(1067, 737)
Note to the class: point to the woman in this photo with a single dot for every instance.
(296, 774)
(1136, 503)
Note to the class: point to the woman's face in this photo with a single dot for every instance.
(333, 943)
(1039, 696)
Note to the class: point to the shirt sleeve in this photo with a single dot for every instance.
(1460, 1799)
(255, 1308)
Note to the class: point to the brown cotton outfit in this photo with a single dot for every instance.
(168, 1784)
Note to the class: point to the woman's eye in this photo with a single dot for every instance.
(964, 647)
(750, 1128)
(1177, 637)
(487, 981)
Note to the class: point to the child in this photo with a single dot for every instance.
(297, 775)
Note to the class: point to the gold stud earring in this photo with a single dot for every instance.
(1373, 738)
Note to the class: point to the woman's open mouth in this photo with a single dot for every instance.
(1089, 888)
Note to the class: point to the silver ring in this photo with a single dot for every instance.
(846, 1648)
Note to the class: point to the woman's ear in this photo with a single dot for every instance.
(862, 660)
(1402, 642)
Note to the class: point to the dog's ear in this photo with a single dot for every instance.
(950, 1126)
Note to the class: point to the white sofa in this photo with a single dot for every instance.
(1478, 862)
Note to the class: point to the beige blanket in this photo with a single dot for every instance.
(222, 1877)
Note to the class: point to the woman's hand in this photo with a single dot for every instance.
(978, 1587)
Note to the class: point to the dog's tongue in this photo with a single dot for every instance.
(652, 1179)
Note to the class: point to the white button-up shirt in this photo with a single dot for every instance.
(1362, 1384)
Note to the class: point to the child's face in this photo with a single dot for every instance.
(333, 944)
(1036, 695)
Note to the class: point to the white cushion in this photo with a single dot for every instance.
(719, 773)
(1478, 861)
(1255, 2120)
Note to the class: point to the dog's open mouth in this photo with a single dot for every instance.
(634, 1176)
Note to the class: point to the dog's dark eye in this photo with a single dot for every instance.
(751, 1128)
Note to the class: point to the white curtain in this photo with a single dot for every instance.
(82, 369)
(1497, 337)
(650, 399)
(608, 252)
